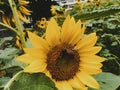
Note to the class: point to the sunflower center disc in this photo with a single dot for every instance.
(62, 63)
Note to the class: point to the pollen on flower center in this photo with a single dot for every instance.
(62, 62)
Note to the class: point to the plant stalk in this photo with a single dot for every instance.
(18, 23)
(6, 87)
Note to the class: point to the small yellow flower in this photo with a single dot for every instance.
(65, 55)
(42, 23)
(78, 1)
(18, 42)
(53, 10)
(23, 2)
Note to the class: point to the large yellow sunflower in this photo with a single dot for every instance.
(65, 55)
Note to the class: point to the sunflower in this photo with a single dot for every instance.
(53, 10)
(7, 16)
(65, 55)
(42, 23)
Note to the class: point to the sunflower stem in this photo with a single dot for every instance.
(9, 27)
(18, 24)
(6, 87)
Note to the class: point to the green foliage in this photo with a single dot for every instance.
(97, 13)
(104, 20)
(3, 81)
(107, 81)
(108, 31)
(32, 82)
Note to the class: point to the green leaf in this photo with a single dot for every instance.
(8, 53)
(36, 81)
(3, 81)
(97, 13)
(107, 81)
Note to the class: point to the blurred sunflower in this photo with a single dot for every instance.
(65, 55)
(53, 11)
(7, 16)
(42, 23)
(57, 10)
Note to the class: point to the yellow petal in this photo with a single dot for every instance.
(64, 29)
(58, 85)
(35, 67)
(37, 41)
(36, 53)
(63, 85)
(25, 58)
(90, 70)
(53, 33)
(91, 59)
(68, 32)
(90, 50)
(91, 65)
(77, 33)
(47, 73)
(87, 80)
(87, 41)
(76, 83)
(66, 86)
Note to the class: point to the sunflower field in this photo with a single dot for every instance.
(59, 44)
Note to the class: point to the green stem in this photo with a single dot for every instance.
(2, 24)
(18, 24)
(6, 87)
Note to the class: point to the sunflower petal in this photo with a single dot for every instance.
(90, 50)
(47, 73)
(35, 67)
(89, 65)
(88, 80)
(87, 41)
(75, 83)
(90, 70)
(53, 33)
(37, 41)
(67, 34)
(91, 59)
(66, 86)
(64, 30)
(25, 58)
(58, 85)
(35, 52)
(77, 33)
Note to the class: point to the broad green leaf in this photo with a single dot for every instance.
(107, 81)
(36, 81)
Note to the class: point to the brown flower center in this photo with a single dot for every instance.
(63, 62)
